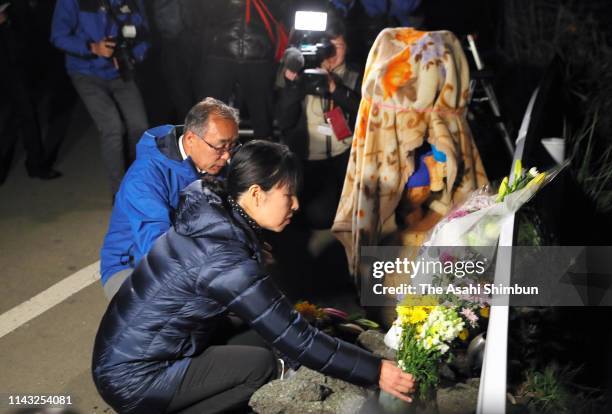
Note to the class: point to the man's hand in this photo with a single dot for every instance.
(395, 381)
(290, 75)
(103, 48)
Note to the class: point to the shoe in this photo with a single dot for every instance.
(44, 174)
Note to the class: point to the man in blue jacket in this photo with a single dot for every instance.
(168, 159)
(102, 40)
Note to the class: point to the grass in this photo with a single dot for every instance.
(553, 391)
(592, 162)
(535, 32)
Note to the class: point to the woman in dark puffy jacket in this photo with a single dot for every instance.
(159, 347)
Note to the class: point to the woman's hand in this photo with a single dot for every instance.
(395, 381)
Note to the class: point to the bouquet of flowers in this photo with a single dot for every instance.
(427, 326)
(477, 222)
(471, 231)
(422, 335)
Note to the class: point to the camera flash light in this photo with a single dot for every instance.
(309, 20)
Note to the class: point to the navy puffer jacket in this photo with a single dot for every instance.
(166, 312)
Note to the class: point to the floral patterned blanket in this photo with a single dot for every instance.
(415, 89)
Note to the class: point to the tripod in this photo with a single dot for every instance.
(481, 90)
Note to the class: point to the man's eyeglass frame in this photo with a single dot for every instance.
(230, 148)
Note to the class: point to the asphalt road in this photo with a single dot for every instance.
(48, 231)
(52, 230)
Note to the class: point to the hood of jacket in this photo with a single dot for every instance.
(203, 210)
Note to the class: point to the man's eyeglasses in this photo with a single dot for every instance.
(230, 148)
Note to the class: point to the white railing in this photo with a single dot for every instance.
(492, 392)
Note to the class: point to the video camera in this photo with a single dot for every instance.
(310, 49)
(123, 51)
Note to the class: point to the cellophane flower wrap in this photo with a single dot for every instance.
(427, 326)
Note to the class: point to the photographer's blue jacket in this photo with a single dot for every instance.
(167, 312)
(399, 9)
(146, 201)
(77, 23)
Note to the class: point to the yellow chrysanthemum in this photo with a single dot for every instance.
(423, 300)
(413, 315)
(464, 334)
(484, 312)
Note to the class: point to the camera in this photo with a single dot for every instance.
(310, 49)
(315, 53)
(123, 51)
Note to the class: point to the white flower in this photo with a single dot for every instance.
(533, 172)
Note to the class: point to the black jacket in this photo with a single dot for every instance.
(166, 312)
(291, 113)
(230, 37)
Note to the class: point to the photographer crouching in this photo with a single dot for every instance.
(103, 39)
(317, 108)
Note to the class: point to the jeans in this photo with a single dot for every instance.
(117, 108)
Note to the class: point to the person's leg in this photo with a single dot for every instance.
(112, 285)
(248, 337)
(216, 78)
(222, 379)
(27, 123)
(59, 106)
(176, 68)
(257, 86)
(128, 97)
(320, 201)
(96, 96)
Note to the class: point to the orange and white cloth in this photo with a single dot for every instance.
(415, 88)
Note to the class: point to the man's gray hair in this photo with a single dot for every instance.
(197, 119)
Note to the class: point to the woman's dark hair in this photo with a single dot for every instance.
(336, 28)
(264, 163)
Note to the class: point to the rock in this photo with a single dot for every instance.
(308, 391)
(374, 341)
(447, 373)
(459, 399)
(461, 364)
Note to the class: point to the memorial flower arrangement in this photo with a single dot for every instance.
(477, 222)
(423, 336)
(427, 326)
(334, 321)
(471, 231)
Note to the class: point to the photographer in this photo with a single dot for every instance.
(18, 111)
(316, 114)
(103, 39)
(239, 50)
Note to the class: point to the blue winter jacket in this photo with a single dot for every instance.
(399, 9)
(146, 200)
(209, 263)
(76, 23)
